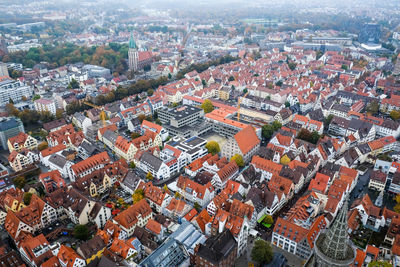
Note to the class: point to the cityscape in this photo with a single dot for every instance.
(199, 133)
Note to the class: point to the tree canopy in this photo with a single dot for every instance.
(81, 232)
(395, 115)
(268, 129)
(308, 136)
(27, 198)
(238, 159)
(137, 195)
(112, 56)
(213, 147)
(207, 106)
(19, 182)
(149, 176)
(373, 107)
(397, 206)
(262, 252)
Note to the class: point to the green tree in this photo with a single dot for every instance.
(373, 107)
(328, 121)
(197, 206)
(19, 182)
(262, 252)
(81, 231)
(287, 104)
(73, 84)
(279, 83)
(35, 97)
(132, 165)
(169, 76)
(135, 135)
(395, 115)
(147, 68)
(267, 131)
(150, 92)
(27, 198)
(345, 67)
(277, 125)
(308, 136)
(46, 116)
(207, 106)
(238, 159)
(314, 137)
(292, 65)
(204, 83)
(59, 113)
(213, 147)
(231, 78)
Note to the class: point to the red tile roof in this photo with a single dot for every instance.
(51, 150)
(19, 139)
(91, 162)
(266, 165)
(228, 171)
(67, 256)
(153, 227)
(128, 218)
(247, 139)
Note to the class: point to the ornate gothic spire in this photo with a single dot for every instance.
(336, 236)
(333, 247)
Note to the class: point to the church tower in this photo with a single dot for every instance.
(133, 55)
(332, 248)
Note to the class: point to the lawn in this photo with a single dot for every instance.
(268, 225)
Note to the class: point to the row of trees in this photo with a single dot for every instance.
(204, 66)
(31, 117)
(120, 93)
(308, 136)
(112, 56)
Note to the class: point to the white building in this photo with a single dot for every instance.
(15, 90)
(42, 105)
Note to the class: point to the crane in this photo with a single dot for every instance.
(238, 106)
(102, 113)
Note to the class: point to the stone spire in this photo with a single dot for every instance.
(332, 248)
(133, 55)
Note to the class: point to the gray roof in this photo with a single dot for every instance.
(131, 180)
(80, 117)
(188, 236)
(88, 146)
(110, 136)
(58, 160)
(54, 124)
(9, 123)
(151, 160)
(170, 253)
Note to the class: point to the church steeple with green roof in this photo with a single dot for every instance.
(132, 43)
